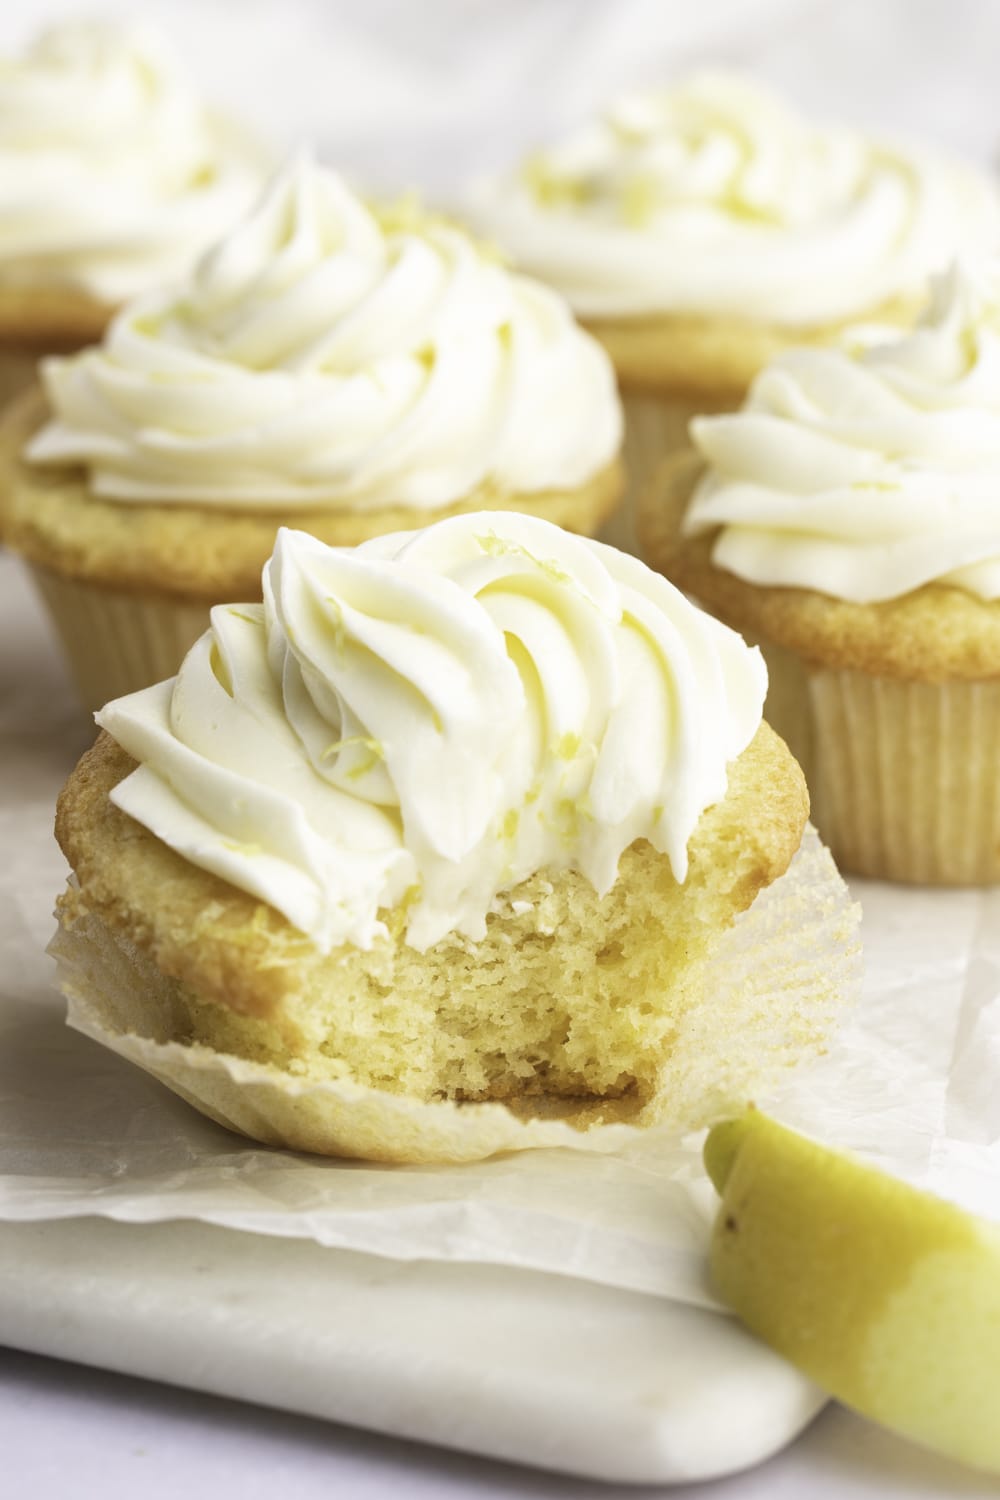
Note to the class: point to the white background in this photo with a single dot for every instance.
(425, 93)
(408, 92)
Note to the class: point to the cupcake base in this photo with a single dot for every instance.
(655, 1004)
(902, 774)
(777, 983)
(117, 642)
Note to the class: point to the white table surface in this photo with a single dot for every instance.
(68, 1430)
(513, 72)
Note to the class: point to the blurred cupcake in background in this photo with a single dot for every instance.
(325, 368)
(113, 178)
(848, 519)
(700, 230)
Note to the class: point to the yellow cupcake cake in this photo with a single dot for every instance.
(435, 853)
(322, 368)
(113, 178)
(846, 518)
(700, 230)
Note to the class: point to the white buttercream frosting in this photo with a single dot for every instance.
(866, 476)
(432, 717)
(113, 175)
(712, 198)
(321, 355)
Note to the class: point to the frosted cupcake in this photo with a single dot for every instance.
(322, 367)
(113, 178)
(700, 230)
(848, 520)
(442, 850)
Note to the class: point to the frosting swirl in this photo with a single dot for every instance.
(866, 476)
(113, 176)
(432, 717)
(320, 356)
(712, 198)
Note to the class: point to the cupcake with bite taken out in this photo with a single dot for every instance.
(846, 518)
(467, 839)
(324, 368)
(700, 230)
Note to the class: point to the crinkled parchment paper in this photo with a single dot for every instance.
(909, 1080)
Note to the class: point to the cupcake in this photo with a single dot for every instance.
(846, 518)
(324, 367)
(438, 851)
(113, 178)
(701, 230)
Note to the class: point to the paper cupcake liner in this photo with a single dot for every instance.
(655, 427)
(903, 775)
(118, 642)
(775, 987)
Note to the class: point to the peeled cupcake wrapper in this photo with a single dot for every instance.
(775, 986)
(902, 774)
(118, 642)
